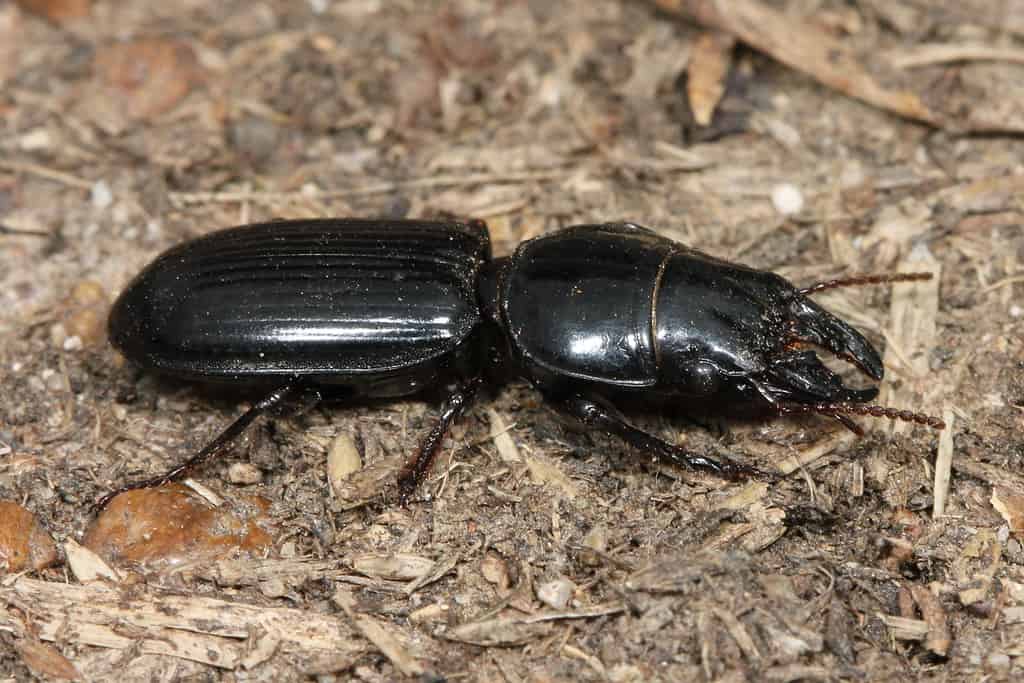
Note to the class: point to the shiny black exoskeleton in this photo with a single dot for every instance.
(588, 315)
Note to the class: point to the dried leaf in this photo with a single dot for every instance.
(24, 543)
(146, 78)
(170, 525)
(45, 660)
(57, 11)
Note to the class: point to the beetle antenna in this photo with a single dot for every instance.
(840, 410)
(861, 280)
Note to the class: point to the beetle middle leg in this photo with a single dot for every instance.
(270, 404)
(593, 414)
(416, 470)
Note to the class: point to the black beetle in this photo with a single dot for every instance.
(588, 315)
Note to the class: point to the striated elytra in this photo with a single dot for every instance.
(588, 315)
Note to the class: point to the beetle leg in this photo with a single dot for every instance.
(215, 448)
(416, 470)
(593, 414)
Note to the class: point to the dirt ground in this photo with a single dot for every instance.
(535, 552)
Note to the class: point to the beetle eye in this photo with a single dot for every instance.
(702, 380)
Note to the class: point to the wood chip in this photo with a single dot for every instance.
(200, 629)
(377, 633)
(87, 566)
(902, 628)
(938, 639)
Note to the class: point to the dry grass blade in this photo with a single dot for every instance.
(943, 465)
(926, 55)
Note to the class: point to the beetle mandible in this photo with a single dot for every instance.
(588, 315)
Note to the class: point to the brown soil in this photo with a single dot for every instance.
(535, 553)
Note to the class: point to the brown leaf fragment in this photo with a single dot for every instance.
(707, 71)
(45, 660)
(24, 543)
(939, 639)
(148, 77)
(171, 525)
(57, 11)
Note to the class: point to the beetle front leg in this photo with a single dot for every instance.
(593, 414)
(220, 444)
(416, 470)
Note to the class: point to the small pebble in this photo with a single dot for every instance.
(101, 195)
(998, 662)
(787, 199)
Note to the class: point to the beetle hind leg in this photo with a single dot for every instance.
(223, 441)
(593, 414)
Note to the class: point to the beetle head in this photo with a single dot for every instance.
(723, 328)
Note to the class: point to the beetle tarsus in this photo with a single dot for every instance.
(417, 469)
(212, 450)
